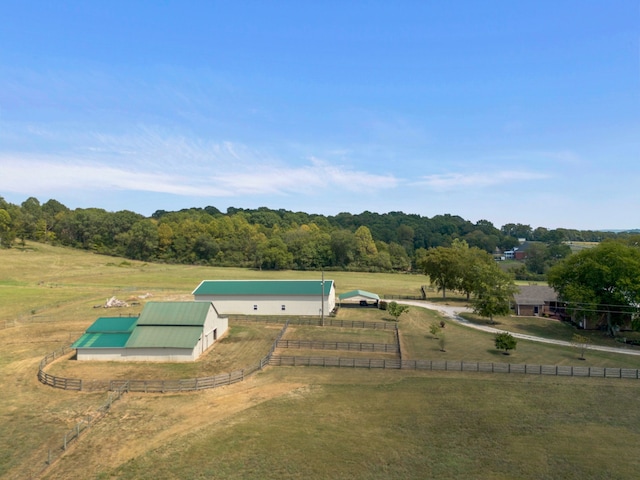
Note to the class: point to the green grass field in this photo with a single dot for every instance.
(297, 422)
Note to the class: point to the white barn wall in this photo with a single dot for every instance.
(215, 328)
(304, 305)
(138, 354)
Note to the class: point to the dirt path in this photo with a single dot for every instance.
(453, 312)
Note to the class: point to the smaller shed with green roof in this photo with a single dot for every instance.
(164, 331)
(359, 297)
(269, 297)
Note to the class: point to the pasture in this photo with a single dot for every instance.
(295, 422)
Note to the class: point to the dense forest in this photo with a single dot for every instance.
(273, 239)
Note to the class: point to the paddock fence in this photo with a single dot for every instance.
(315, 322)
(349, 346)
(456, 366)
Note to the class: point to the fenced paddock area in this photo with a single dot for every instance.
(275, 358)
(272, 358)
(454, 366)
(149, 386)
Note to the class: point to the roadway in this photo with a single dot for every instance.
(453, 313)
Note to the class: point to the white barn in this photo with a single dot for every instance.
(164, 332)
(269, 297)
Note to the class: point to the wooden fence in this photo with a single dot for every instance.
(316, 322)
(53, 381)
(351, 346)
(296, 361)
(456, 366)
(152, 386)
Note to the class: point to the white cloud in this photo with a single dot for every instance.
(46, 175)
(452, 181)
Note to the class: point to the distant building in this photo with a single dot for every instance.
(534, 300)
(164, 332)
(269, 297)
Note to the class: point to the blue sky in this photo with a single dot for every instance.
(523, 112)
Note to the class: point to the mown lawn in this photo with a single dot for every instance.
(422, 426)
(465, 343)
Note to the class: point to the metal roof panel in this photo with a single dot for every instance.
(263, 287)
(164, 337)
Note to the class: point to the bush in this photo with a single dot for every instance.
(505, 341)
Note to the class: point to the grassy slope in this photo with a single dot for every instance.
(297, 422)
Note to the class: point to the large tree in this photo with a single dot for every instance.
(442, 266)
(470, 260)
(601, 283)
(493, 290)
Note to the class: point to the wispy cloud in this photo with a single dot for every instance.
(452, 181)
(227, 173)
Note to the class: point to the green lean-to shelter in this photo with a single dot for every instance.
(164, 331)
(359, 297)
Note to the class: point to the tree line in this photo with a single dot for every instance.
(264, 238)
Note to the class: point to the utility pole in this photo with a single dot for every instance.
(322, 296)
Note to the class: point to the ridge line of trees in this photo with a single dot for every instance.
(264, 238)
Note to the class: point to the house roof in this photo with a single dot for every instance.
(174, 314)
(164, 337)
(358, 293)
(535, 295)
(263, 287)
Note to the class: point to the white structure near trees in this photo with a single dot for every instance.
(269, 297)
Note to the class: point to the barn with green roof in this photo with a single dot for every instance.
(269, 297)
(164, 331)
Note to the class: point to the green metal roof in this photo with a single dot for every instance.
(161, 324)
(102, 340)
(113, 325)
(174, 313)
(164, 337)
(358, 293)
(263, 287)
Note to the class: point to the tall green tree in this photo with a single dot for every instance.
(601, 284)
(6, 233)
(493, 291)
(442, 265)
(470, 258)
